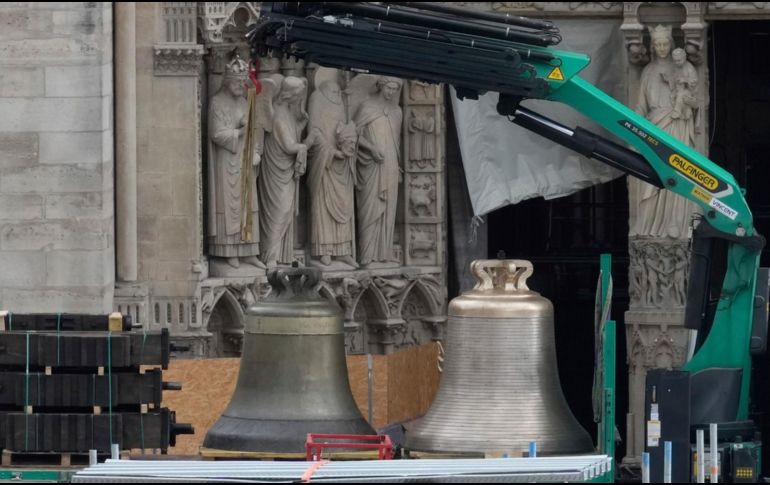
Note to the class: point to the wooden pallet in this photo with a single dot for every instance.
(221, 455)
(51, 459)
(425, 455)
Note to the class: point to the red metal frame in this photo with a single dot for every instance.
(381, 443)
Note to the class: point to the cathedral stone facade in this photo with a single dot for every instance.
(138, 174)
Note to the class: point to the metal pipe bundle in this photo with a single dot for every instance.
(474, 51)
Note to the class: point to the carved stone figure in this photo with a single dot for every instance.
(233, 224)
(422, 195)
(422, 151)
(331, 146)
(684, 85)
(284, 162)
(658, 274)
(662, 213)
(378, 120)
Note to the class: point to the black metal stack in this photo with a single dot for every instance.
(74, 383)
(474, 51)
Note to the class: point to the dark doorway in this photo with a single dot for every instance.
(740, 142)
(564, 239)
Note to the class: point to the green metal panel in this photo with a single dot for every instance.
(49, 476)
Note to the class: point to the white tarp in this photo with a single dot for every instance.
(505, 163)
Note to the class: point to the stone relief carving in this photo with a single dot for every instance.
(331, 143)
(421, 91)
(215, 17)
(422, 195)
(177, 61)
(653, 348)
(558, 7)
(661, 213)
(378, 120)
(233, 206)
(736, 5)
(422, 241)
(693, 32)
(422, 148)
(658, 273)
(517, 5)
(285, 161)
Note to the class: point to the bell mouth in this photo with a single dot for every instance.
(276, 436)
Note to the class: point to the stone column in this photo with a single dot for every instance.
(658, 240)
(125, 141)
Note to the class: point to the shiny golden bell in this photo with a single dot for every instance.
(500, 386)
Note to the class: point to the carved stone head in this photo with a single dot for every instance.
(236, 73)
(293, 88)
(679, 56)
(388, 86)
(662, 41)
(347, 138)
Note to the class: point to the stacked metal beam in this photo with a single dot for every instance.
(74, 383)
(509, 470)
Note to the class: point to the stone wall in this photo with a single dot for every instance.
(169, 233)
(56, 157)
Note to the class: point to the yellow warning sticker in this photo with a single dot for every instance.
(701, 194)
(556, 74)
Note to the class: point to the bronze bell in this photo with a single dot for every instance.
(293, 376)
(500, 389)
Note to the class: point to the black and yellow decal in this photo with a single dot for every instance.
(679, 162)
(693, 172)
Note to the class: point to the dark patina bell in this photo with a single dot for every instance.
(293, 378)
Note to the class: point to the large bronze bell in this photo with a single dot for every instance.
(500, 386)
(293, 378)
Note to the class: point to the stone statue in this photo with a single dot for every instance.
(378, 119)
(331, 146)
(661, 213)
(284, 162)
(685, 86)
(422, 151)
(233, 205)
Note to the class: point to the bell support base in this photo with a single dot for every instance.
(275, 436)
(222, 455)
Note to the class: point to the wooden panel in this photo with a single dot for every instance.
(357, 374)
(404, 387)
(413, 382)
(207, 386)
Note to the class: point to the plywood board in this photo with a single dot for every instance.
(404, 385)
(207, 386)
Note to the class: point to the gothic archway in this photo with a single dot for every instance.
(226, 327)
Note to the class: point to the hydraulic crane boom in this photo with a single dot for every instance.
(484, 52)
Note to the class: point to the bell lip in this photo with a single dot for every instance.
(296, 309)
(277, 435)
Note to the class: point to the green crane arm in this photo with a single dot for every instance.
(688, 173)
(478, 52)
